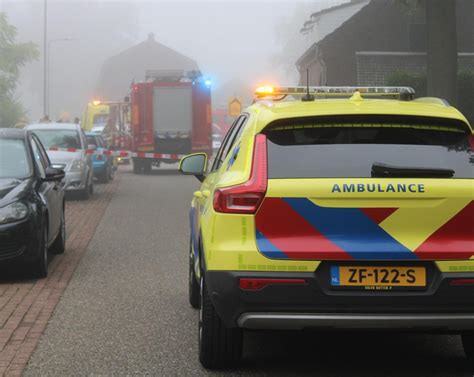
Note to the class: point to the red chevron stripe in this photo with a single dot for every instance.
(378, 214)
(292, 234)
(454, 240)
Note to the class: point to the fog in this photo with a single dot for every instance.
(236, 44)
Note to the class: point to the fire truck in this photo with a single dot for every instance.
(170, 117)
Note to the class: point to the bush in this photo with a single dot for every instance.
(11, 112)
(415, 81)
(419, 83)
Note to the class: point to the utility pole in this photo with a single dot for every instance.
(45, 51)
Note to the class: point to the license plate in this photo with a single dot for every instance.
(378, 278)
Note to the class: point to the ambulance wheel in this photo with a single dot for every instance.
(194, 299)
(219, 346)
(468, 344)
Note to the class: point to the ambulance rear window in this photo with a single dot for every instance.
(349, 150)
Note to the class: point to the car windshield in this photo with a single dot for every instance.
(91, 140)
(59, 138)
(14, 160)
(100, 120)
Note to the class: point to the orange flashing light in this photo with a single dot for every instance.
(96, 102)
(265, 90)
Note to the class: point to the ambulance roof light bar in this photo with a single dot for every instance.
(277, 93)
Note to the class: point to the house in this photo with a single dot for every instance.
(121, 70)
(382, 37)
(326, 21)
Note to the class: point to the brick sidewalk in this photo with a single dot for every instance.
(25, 305)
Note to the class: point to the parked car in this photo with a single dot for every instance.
(32, 218)
(66, 147)
(103, 165)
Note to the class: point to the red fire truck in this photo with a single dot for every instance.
(170, 117)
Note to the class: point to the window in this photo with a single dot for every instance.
(229, 140)
(44, 155)
(351, 150)
(93, 140)
(14, 160)
(59, 138)
(39, 160)
(100, 119)
(418, 36)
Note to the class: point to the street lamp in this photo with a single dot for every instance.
(48, 76)
(45, 47)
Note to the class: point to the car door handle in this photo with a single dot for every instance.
(206, 193)
(198, 194)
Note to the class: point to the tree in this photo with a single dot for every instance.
(13, 56)
(442, 55)
(442, 51)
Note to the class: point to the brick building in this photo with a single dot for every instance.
(382, 37)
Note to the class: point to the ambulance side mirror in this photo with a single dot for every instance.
(194, 164)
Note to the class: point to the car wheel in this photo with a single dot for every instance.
(59, 244)
(193, 283)
(468, 344)
(137, 166)
(40, 267)
(91, 187)
(104, 176)
(111, 172)
(219, 346)
(147, 166)
(85, 194)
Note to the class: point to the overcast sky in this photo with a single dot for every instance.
(230, 40)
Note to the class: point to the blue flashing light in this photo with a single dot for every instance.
(208, 83)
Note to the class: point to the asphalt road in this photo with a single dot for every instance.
(126, 312)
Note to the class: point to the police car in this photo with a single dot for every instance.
(346, 208)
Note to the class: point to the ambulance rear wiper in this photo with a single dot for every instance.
(384, 170)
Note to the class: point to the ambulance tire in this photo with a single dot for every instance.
(219, 346)
(194, 299)
(468, 344)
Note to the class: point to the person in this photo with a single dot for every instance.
(45, 119)
(76, 120)
(22, 123)
(109, 132)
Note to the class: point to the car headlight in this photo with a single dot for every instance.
(77, 165)
(13, 212)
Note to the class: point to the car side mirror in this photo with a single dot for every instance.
(53, 174)
(194, 164)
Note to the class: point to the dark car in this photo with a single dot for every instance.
(32, 221)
